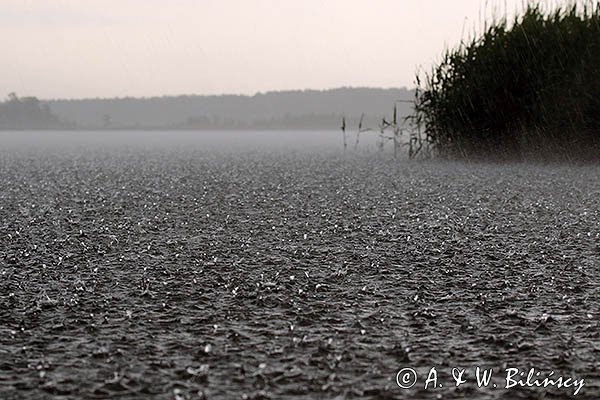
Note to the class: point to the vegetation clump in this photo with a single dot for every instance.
(27, 113)
(530, 88)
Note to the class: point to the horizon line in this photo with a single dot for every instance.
(259, 93)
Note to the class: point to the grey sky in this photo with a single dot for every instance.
(106, 48)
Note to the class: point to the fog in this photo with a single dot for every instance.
(237, 141)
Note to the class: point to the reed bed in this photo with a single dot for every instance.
(521, 89)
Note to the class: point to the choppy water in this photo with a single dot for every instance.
(150, 265)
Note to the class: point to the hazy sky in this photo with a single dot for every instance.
(106, 48)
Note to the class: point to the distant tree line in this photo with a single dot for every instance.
(298, 109)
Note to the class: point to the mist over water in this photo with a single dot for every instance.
(238, 141)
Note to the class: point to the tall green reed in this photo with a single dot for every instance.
(526, 88)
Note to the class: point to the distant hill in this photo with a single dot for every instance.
(302, 109)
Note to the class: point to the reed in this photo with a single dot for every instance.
(529, 88)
